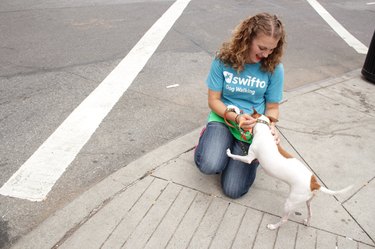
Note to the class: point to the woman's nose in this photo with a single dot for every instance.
(265, 54)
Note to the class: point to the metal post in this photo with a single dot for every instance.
(368, 70)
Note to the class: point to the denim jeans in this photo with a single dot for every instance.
(211, 158)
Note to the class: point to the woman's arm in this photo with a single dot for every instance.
(217, 106)
(272, 110)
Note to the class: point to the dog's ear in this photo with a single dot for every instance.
(272, 119)
(255, 114)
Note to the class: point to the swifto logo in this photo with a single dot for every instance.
(228, 76)
(248, 81)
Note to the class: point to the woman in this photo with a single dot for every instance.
(247, 73)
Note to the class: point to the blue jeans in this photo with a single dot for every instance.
(211, 158)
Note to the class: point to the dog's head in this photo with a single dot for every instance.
(257, 115)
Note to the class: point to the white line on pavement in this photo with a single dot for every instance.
(338, 28)
(36, 177)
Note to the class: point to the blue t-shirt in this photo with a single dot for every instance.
(251, 88)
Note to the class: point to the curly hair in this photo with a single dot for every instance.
(235, 51)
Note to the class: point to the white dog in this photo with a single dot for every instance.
(302, 182)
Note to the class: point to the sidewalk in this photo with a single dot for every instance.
(162, 201)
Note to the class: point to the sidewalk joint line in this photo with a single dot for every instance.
(182, 218)
(92, 213)
(296, 238)
(354, 219)
(165, 214)
(316, 239)
(347, 105)
(324, 83)
(145, 214)
(358, 190)
(336, 198)
(136, 201)
(276, 237)
(257, 232)
(238, 228)
(219, 224)
(263, 212)
(200, 222)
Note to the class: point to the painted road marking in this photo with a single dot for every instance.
(338, 28)
(36, 177)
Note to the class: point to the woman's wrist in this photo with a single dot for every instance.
(230, 114)
(237, 119)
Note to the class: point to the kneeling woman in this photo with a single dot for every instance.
(246, 73)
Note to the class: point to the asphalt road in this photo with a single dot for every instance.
(53, 54)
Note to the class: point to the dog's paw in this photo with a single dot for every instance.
(229, 152)
(272, 226)
(306, 222)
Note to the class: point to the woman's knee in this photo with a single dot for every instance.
(209, 167)
(210, 156)
(233, 193)
(233, 190)
(236, 182)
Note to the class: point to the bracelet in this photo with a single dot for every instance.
(237, 118)
(229, 109)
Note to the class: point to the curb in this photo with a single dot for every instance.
(321, 84)
(63, 223)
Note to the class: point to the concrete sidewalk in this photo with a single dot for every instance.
(163, 201)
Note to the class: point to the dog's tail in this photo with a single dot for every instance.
(332, 192)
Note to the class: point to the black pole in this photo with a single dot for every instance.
(368, 70)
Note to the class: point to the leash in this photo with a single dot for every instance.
(244, 134)
(235, 109)
(232, 108)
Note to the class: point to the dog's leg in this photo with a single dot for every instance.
(309, 212)
(278, 224)
(288, 208)
(246, 159)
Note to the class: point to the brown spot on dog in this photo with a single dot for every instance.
(283, 152)
(255, 114)
(314, 185)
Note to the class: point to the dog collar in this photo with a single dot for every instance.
(263, 122)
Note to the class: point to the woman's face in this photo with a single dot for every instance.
(262, 46)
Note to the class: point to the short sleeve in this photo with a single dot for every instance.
(215, 78)
(274, 92)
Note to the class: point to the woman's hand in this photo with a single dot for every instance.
(246, 122)
(275, 133)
